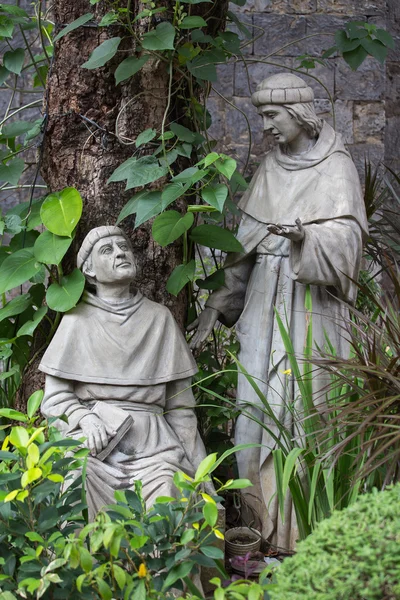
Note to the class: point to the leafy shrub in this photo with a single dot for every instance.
(48, 549)
(353, 555)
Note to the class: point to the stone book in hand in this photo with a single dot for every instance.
(118, 419)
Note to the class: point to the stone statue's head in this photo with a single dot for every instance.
(291, 92)
(106, 256)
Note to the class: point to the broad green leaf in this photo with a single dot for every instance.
(205, 466)
(13, 225)
(4, 74)
(30, 475)
(160, 38)
(177, 572)
(356, 57)
(15, 129)
(192, 23)
(203, 68)
(184, 150)
(215, 195)
(14, 60)
(213, 236)
(172, 192)
(187, 536)
(34, 402)
(190, 175)
(108, 19)
(375, 48)
(132, 205)
(16, 306)
(15, 415)
(29, 213)
(210, 159)
(33, 455)
(62, 298)
(18, 268)
(138, 172)
(61, 211)
(238, 484)
(102, 54)
(139, 591)
(226, 165)
(50, 248)
(212, 282)
(212, 552)
(6, 27)
(119, 575)
(169, 226)
(13, 372)
(12, 171)
(146, 136)
(29, 327)
(385, 37)
(210, 513)
(19, 437)
(74, 25)
(9, 498)
(183, 133)
(180, 276)
(129, 67)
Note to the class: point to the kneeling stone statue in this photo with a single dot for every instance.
(119, 368)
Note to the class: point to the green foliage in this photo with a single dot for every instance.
(49, 549)
(353, 554)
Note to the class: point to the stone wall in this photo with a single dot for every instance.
(366, 102)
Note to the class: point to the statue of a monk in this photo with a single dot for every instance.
(123, 352)
(303, 224)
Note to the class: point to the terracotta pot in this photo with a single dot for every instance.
(241, 540)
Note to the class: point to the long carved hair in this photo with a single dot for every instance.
(305, 116)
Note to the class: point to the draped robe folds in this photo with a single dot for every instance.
(130, 355)
(321, 187)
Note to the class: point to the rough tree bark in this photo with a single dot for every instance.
(73, 156)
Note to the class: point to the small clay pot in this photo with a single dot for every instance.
(241, 540)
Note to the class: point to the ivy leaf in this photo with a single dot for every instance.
(356, 57)
(6, 27)
(4, 74)
(138, 172)
(149, 205)
(17, 268)
(184, 150)
(180, 276)
(192, 23)
(190, 175)
(64, 296)
(213, 236)
(385, 37)
(16, 306)
(183, 133)
(12, 171)
(160, 38)
(109, 19)
(15, 129)
(202, 67)
(50, 248)
(375, 48)
(102, 54)
(212, 282)
(146, 136)
(129, 67)
(215, 195)
(74, 25)
(225, 165)
(29, 327)
(14, 60)
(172, 192)
(61, 211)
(170, 225)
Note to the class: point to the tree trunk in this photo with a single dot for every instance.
(81, 149)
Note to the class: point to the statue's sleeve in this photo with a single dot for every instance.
(180, 415)
(329, 255)
(59, 399)
(229, 299)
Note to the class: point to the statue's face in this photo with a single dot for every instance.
(112, 260)
(278, 121)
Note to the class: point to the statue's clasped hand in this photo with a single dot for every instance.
(294, 233)
(97, 433)
(204, 325)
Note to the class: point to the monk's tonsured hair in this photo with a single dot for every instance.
(304, 114)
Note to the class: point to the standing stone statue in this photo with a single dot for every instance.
(118, 355)
(303, 223)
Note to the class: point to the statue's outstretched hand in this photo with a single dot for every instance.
(204, 324)
(293, 233)
(96, 432)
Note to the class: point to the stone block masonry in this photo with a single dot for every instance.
(363, 105)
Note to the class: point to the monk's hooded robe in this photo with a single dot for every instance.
(322, 188)
(130, 355)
